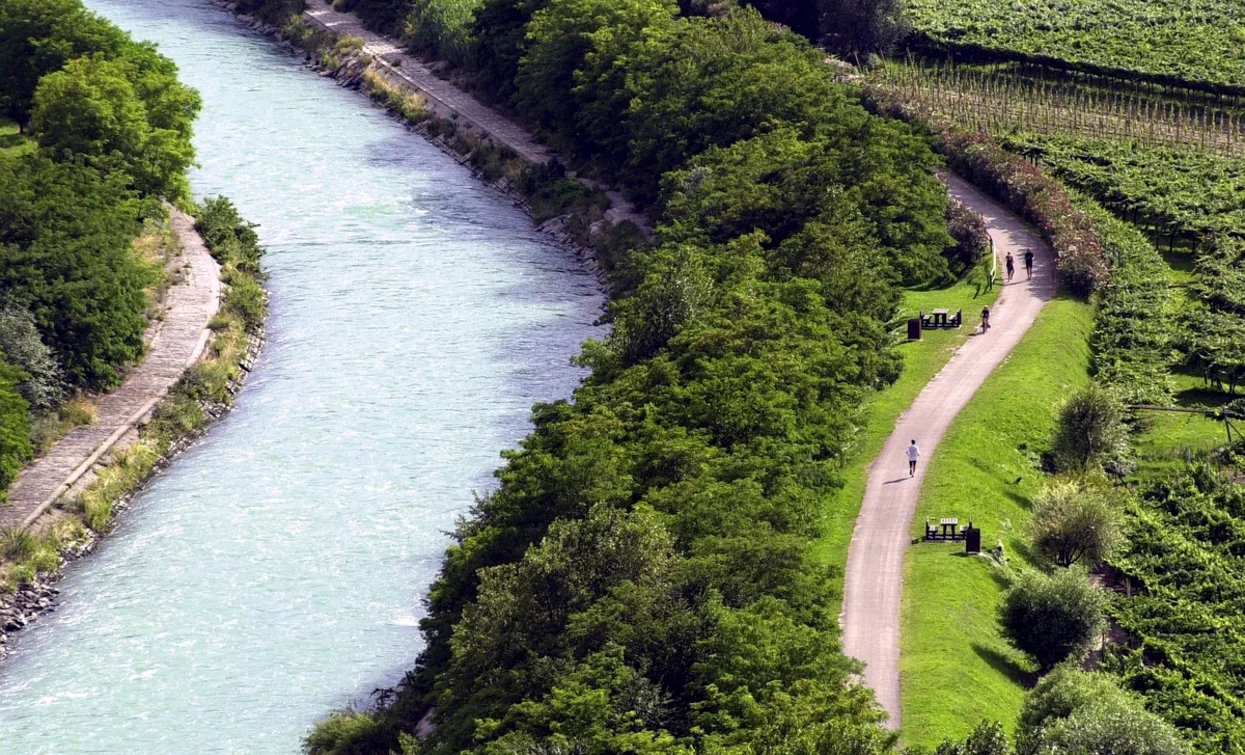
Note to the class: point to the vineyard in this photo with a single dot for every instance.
(1185, 614)
(1193, 43)
(1000, 99)
(1183, 195)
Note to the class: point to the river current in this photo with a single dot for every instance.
(275, 571)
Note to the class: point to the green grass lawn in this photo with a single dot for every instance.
(955, 669)
(922, 360)
(12, 142)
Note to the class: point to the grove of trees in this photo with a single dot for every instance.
(112, 125)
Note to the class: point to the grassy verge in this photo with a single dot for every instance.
(189, 406)
(922, 361)
(955, 669)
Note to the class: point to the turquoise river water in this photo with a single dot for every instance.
(275, 571)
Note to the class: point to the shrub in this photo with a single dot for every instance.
(1079, 250)
(343, 733)
(1075, 520)
(16, 543)
(44, 386)
(1051, 617)
(1090, 431)
(972, 240)
(987, 739)
(1073, 712)
(15, 445)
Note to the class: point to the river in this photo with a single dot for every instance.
(275, 571)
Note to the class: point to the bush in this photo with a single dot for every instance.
(1074, 712)
(442, 27)
(1051, 617)
(1090, 431)
(972, 240)
(1076, 520)
(15, 446)
(344, 733)
(44, 386)
(16, 543)
(1080, 255)
(987, 739)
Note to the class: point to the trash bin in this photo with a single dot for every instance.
(972, 540)
(914, 329)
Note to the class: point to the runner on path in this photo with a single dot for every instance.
(1011, 267)
(914, 453)
(1029, 262)
(985, 319)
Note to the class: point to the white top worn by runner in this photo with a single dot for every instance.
(913, 452)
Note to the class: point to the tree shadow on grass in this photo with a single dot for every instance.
(1005, 666)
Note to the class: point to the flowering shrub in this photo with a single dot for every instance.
(1079, 249)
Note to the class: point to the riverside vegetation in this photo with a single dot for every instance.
(102, 139)
(643, 577)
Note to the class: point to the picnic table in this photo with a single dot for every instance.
(949, 529)
(941, 318)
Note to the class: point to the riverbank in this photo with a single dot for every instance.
(66, 500)
(597, 223)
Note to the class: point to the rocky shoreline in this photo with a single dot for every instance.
(19, 609)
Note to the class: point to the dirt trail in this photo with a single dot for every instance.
(175, 343)
(874, 577)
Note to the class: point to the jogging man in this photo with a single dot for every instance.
(914, 453)
(1011, 267)
(1029, 262)
(985, 319)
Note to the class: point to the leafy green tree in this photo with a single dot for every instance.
(15, 445)
(1090, 430)
(44, 385)
(1077, 520)
(65, 250)
(860, 29)
(672, 294)
(442, 27)
(91, 111)
(499, 30)
(38, 37)
(1071, 712)
(1051, 617)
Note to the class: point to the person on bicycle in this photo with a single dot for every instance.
(1029, 262)
(985, 319)
(1011, 267)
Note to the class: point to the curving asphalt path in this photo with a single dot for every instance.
(874, 578)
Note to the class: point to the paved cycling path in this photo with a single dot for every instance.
(874, 578)
(175, 343)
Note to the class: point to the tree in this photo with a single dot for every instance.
(1051, 617)
(38, 37)
(1090, 430)
(1074, 712)
(44, 385)
(1075, 520)
(858, 29)
(972, 240)
(65, 252)
(15, 445)
(91, 111)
